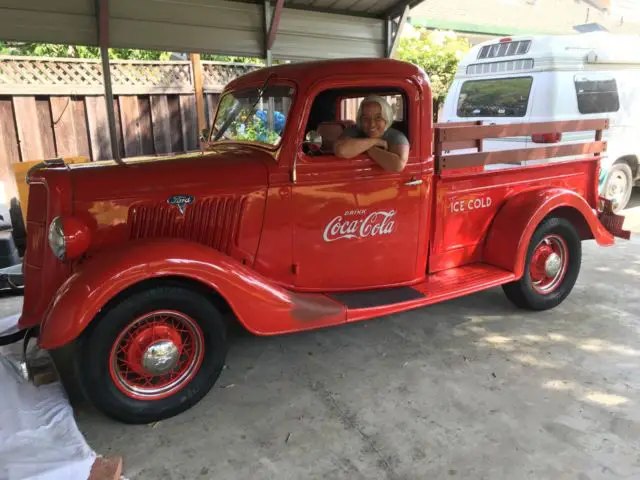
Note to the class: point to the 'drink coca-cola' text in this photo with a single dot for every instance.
(365, 225)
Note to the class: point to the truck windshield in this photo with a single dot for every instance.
(244, 116)
(496, 97)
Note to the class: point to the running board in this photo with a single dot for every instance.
(377, 298)
(437, 287)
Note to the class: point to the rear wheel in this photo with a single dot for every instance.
(619, 186)
(552, 266)
(153, 355)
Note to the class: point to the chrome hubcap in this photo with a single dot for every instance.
(549, 264)
(617, 188)
(160, 357)
(552, 265)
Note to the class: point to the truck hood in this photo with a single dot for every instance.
(224, 167)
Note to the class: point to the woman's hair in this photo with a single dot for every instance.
(385, 109)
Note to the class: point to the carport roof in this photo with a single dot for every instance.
(304, 29)
(310, 71)
(364, 8)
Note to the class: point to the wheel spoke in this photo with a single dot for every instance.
(128, 350)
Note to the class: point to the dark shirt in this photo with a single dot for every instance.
(391, 135)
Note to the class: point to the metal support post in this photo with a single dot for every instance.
(196, 69)
(393, 31)
(103, 41)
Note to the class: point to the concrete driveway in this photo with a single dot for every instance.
(472, 388)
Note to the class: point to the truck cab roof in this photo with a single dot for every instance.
(309, 72)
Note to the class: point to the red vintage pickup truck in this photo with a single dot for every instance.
(136, 267)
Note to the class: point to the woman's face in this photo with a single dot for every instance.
(371, 121)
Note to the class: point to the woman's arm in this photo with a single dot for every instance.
(393, 160)
(349, 147)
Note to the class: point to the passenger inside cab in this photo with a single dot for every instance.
(374, 135)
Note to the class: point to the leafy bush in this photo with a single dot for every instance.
(438, 54)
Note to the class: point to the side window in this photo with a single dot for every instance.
(334, 110)
(597, 94)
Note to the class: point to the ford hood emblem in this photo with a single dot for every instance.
(181, 201)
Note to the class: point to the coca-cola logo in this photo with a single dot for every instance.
(360, 224)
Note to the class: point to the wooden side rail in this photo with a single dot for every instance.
(458, 144)
(463, 135)
(453, 162)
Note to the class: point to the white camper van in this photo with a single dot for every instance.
(554, 78)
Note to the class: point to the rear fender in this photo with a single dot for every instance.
(511, 231)
(262, 307)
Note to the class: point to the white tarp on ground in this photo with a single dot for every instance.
(39, 438)
(9, 324)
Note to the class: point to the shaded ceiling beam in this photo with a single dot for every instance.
(393, 30)
(271, 22)
(398, 7)
(275, 21)
(346, 13)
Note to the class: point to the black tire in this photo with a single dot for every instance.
(522, 292)
(94, 363)
(17, 223)
(12, 338)
(618, 171)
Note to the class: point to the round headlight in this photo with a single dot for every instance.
(56, 238)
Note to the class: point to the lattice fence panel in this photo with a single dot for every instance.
(217, 75)
(156, 77)
(57, 76)
(46, 76)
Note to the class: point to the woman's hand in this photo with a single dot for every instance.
(382, 144)
(348, 147)
(392, 159)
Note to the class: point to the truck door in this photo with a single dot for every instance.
(357, 225)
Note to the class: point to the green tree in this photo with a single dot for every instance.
(228, 58)
(438, 54)
(77, 51)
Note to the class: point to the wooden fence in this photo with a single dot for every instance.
(55, 107)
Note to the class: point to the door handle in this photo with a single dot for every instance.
(413, 183)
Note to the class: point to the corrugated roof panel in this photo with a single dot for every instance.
(216, 26)
(353, 7)
(231, 28)
(320, 35)
(76, 7)
(236, 28)
(68, 21)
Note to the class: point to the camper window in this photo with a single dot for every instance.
(597, 95)
(498, 97)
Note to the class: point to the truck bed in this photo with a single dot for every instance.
(470, 188)
(467, 203)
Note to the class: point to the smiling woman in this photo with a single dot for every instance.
(373, 134)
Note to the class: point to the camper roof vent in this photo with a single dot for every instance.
(504, 49)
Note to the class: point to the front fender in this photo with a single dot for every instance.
(511, 231)
(263, 308)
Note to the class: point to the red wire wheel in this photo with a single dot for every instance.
(549, 264)
(156, 355)
(554, 256)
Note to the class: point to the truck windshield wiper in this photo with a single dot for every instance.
(236, 108)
